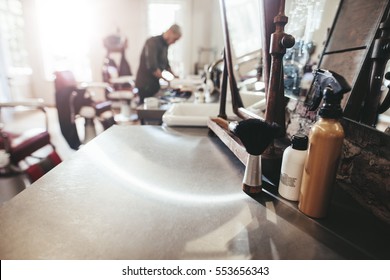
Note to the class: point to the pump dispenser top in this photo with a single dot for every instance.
(325, 144)
(330, 87)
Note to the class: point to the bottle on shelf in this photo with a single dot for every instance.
(325, 145)
(292, 167)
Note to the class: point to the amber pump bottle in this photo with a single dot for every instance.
(325, 147)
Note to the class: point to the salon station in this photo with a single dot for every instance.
(270, 140)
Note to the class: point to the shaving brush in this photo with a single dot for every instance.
(256, 135)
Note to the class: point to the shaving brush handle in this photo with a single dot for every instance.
(252, 178)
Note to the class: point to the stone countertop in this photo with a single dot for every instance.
(156, 192)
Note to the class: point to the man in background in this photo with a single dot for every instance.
(154, 60)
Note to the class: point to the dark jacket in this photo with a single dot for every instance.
(154, 56)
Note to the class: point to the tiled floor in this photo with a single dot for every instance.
(22, 120)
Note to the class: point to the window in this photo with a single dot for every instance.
(244, 15)
(14, 54)
(65, 28)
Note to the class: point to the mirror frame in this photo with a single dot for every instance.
(273, 9)
(228, 76)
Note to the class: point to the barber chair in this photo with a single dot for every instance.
(75, 100)
(119, 77)
(29, 152)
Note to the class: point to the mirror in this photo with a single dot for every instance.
(243, 52)
(357, 50)
(308, 21)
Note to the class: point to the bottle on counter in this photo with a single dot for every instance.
(326, 140)
(325, 146)
(200, 95)
(292, 167)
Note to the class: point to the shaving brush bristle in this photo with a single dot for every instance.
(256, 135)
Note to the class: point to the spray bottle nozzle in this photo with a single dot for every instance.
(332, 87)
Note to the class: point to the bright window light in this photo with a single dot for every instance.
(65, 30)
(244, 15)
(14, 54)
(162, 16)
